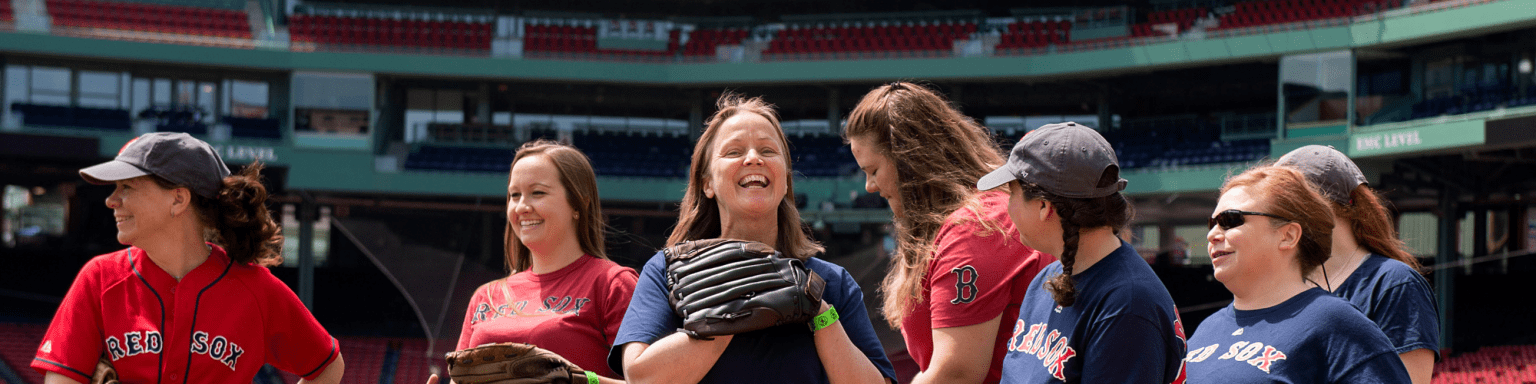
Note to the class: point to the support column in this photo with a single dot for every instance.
(1445, 278)
(834, 112)
(307, 211)
(695, 114)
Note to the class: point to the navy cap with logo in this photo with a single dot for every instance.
(1332, 172)
(1064, 159)
(174, 156)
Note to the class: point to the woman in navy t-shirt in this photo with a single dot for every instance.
(1369, 267)
(739, 187)
(1269, 231)
(1099, 315)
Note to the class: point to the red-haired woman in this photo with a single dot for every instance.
(1269, 232)
(1369, 266)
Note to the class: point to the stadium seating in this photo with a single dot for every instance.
(702, 42)
(177, 119)
(1498, 364)
(414, 364)
(1178, 142)
(150, 17)
(6, 12)
(934, 36)
(1183, 19)
(352, 31)
(636, 154)
(1266, 12)
(570, 39)
(253, 127)
(822, 156)
(73, 117)
(364, 358)
(471, 159)
(18, 344)
(1035, 34)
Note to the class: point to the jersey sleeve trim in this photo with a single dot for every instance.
(328, 359)
(83, 376)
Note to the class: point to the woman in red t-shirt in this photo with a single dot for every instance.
(564, 294)
(959, 266)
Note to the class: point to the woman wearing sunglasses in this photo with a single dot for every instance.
(1369, 267)
(1268, 233)
(1100, 315)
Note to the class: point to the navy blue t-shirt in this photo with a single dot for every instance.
(782, 354)
(1312, 337)
(1122, 329)
(1397, 299)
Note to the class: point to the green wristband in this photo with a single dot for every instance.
(591, 377)
(825, 319)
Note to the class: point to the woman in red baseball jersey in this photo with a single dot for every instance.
(191, 298)
(959, 266)
(564, 294)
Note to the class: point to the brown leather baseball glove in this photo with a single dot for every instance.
(511, 363)
(105, 374)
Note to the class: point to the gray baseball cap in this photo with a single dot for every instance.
(1326, 168)
(174, 156)
(1065, 159)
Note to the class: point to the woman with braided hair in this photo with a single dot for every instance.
(1099, 315)
(959, 269)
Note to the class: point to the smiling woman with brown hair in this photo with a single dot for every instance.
(740, 188)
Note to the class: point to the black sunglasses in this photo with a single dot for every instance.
(1233, 218)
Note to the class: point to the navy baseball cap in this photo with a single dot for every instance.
(174, 156)
(1065, 159)
(1332, 172)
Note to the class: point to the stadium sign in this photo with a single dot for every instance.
(1448, 135)
(246, 153)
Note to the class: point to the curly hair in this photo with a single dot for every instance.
(237, 218)
(939, 154)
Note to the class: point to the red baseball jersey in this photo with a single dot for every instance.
(220, 323)
(574, 312)
(976, 274)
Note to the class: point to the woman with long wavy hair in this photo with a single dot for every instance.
(739, 187)
(959, 265)
(1370, 267)
(191, 297)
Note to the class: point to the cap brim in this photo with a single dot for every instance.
(998, 177)
(108, 172)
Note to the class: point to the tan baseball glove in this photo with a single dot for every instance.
(512, 363)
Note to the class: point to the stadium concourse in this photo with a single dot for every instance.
(388, 129)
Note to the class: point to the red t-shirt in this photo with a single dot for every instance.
(975, 274)
(219, 324)
(574, 311)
